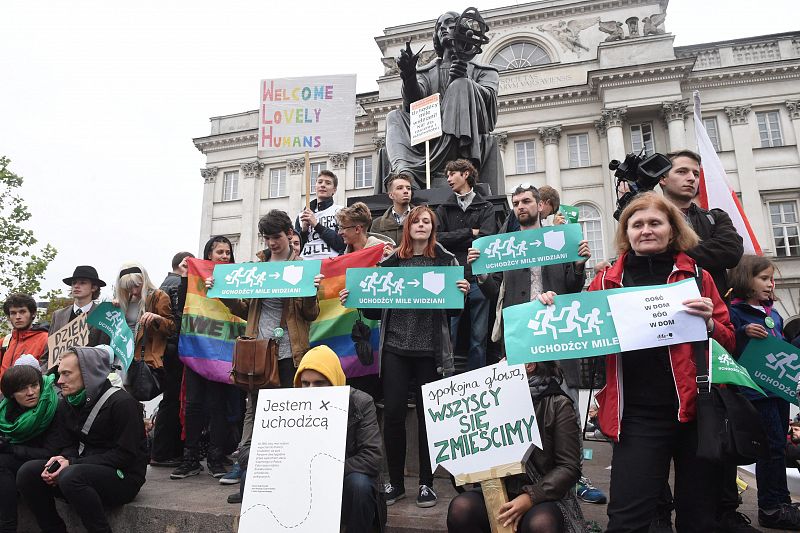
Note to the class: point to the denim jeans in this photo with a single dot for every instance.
(771, 469)
(478, 307)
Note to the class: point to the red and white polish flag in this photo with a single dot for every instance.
(715, 189)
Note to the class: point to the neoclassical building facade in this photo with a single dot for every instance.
(582, 82)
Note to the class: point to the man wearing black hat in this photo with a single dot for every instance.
(85, 288)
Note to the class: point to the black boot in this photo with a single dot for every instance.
(190, 466)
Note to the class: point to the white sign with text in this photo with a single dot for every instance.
(426, 119)
(296, 466)
(480, 420)
(656, 317)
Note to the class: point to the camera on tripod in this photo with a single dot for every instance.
(640, 173)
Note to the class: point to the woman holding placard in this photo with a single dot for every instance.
(542, 499)
(413, 342)
(651, 415)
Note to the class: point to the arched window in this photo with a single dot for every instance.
(589, 219)
(520, 55)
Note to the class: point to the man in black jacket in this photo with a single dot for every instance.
(464, 217)
(106, 462)
(721, 246)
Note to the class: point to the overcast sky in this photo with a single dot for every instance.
(100, 100)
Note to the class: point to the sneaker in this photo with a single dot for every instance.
(232, 477)
(216, 469)
(733, 522)
(167, 463)
(189, 467)
(426, 497)
(588, 492)
(784, 517)
(394, 493)
(236, 497)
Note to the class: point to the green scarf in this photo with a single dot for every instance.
(34, 421)
(77, 399)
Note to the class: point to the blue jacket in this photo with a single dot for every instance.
(743, 314)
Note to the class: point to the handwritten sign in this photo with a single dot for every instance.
(271, 279)
(111, 321)
(426, 119)
(654, 316)
(523, 249)
(314, 114)
(774, 365)
(75, 333)
(405, 287)
(298, 447)
(480, 420)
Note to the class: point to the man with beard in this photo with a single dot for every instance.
(523, 285)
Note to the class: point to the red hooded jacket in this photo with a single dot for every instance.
(32, 340)
(684, 369)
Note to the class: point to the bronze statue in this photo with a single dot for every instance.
(468, 92)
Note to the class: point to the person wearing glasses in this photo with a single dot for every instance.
(353, 223)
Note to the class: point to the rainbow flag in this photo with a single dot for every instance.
(335, 323)
(208, 328)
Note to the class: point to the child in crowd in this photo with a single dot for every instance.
(754, 317)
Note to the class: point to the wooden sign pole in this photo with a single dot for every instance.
(427, 164)
(495, 495)
(308, 181)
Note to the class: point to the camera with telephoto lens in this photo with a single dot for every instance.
(640, 173)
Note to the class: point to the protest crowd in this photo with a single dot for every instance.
(72, 427)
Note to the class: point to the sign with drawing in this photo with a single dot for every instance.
(278, 279)
(523, 249)
(405, 287)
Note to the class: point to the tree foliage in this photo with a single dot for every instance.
(22, 262)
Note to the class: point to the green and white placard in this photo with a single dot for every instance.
(774, 365)
(111, 321)
(571, 213)
(271, 279)
(405, 287)
(527, 248)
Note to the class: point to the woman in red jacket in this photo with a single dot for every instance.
(651, 415)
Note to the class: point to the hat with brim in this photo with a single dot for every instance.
(85, 272)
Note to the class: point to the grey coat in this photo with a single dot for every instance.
(364, 445)
(516, 289)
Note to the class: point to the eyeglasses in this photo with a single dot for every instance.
(523, 187)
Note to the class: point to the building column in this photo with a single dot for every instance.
(339, 167)
(552, 166)
(296, 173)
(746, 170)
(612, 118)
(251, 197)
(674, 114)
(209, 176)
(794, 113)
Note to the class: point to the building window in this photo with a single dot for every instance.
(314, 171)
(785, 228)
(526, 156)
(642, 137)
(769, 129)
(578, 150)
(710, 125)
(363, 172)
(520, 55)
(277, 182)
(230, 186)
(589, 219)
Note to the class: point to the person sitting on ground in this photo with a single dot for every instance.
(25, 337)
(104, 464)
(542, 499)
(793, 446)
(29, 429)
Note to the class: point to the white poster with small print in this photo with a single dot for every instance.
(656, 317)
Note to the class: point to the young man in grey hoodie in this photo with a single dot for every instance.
(104, 467)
